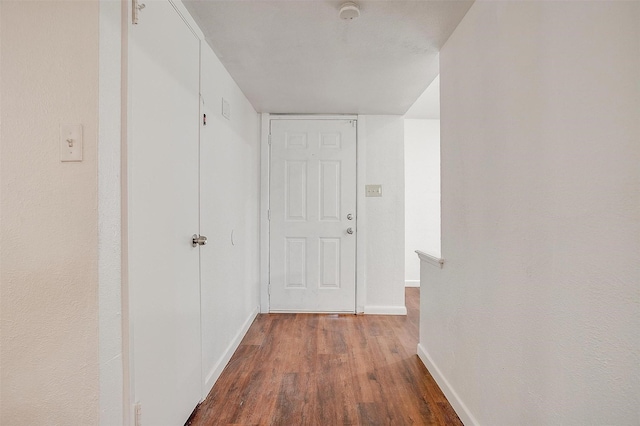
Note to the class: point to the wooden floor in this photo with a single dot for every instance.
(305, 369)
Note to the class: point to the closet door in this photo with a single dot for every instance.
(163, 215)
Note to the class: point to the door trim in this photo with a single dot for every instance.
(265, 173)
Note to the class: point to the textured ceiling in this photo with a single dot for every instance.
(300, 57)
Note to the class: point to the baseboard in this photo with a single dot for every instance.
(385, 310)
(412, 283)
(215, 372)
(460, 408)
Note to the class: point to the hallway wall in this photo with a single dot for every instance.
(49, 283)
(534, 318)
(384, 164)
(230, 194)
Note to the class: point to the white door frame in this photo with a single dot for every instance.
(265, 173)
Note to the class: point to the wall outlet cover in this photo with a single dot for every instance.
(226, 109)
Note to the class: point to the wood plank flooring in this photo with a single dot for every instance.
(306, 369)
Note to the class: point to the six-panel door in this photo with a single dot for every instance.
(313, 206)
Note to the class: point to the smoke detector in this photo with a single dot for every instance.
(349, 10)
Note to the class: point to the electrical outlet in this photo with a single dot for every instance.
(226, 109)
(137, 413)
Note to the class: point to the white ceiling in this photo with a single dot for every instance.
(428, 104)
(300, 57)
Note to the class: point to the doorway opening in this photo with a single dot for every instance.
(422, 180)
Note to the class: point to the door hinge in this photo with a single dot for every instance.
(136, 7)
(269, 139)
(354, 123)
(137, 414)
(268, 214)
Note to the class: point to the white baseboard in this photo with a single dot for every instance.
(460, 408)
(385, 310)
(215, 372)
(412, 283)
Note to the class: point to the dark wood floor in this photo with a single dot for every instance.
(304, 369)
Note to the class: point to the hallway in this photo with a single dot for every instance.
(303, 369)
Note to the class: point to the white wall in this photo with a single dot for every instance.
(422, 194)
(534, 319)
(49, 281)
(230, 191)
(111, 359)
(384, 224)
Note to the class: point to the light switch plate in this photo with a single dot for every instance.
(70, 142)
(373, 190)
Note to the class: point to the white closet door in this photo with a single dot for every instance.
(313, 208)
(163, 215)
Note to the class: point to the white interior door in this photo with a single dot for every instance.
(163, 215)
(313, 216)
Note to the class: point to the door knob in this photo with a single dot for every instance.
(349, 216)
(198, 240)
(349, 231)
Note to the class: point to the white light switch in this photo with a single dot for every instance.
(70, 142)
(373, 190)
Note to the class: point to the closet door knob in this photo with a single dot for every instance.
(197, 240)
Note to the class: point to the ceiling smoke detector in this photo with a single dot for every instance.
(349, 10)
